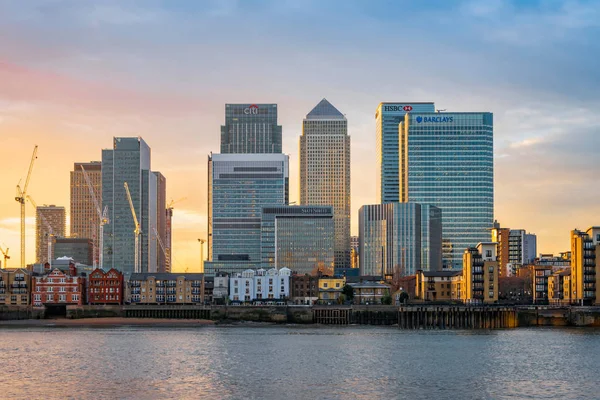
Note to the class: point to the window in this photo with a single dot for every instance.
(75, 297)
(49, 289)
(62, 297)
(337, 285)
(488, 253)
(325, 284)
(49, 297)
(37, 297)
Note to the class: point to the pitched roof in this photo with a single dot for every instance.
(325, 110)
(164, 276)
(435, 274)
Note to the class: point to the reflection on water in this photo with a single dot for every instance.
(298, 363)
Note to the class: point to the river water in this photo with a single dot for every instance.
(290, 362)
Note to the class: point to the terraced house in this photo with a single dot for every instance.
(166, 288)
(15, 285)
(60, 287)
(105, 287)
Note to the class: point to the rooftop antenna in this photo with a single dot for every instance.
(440, 110)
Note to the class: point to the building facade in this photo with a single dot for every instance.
(330, 288)
(165, 288)
(584, 248)
(239, 186)
(387, 118)
(105, 287)
(522, 247)
(15, 287)
(300, 238)
(84, 215)
(129, 161)
(480, 274)
(50, 223)
(325, 171)
(81, 250)
(500, 236)
(220, 288)
(304, 289)
(250, 129)
(446, 160)
(260, 285)
(370, 292)
(392, 241)
(438, 285)
(59, 287)
(161, 224)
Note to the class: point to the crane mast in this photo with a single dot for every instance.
(103, 215)
(136, 230)
(20, 198)
(6, 256)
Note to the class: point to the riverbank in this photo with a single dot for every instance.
(106, 322)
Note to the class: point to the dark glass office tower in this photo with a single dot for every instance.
(250, 129)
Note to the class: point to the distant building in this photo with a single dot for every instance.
(439, 285)
(220, 288)
(304, 289)
(50, 223)
(260, 285)
(480, 274)
(500, 236)
(165, 288)
(584, 249)
(399, 238)
(59, 287)
(15, 287)
(300, 238)
(81, 250)
(330, 288)
(541, 276)
(522, 247)
(162, 264)
(370, 292)
(354, 256)
(105, 287)
(83, 213)
(250, 129)
(559, 288)
(325, 171)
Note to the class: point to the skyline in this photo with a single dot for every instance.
(74, 75)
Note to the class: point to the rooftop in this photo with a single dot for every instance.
(325, 110)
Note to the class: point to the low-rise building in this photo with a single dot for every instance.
(105, 287)
(369, 292)
(541, 275)
(585, 246)
(304, 289)
(220, 288)
(260, 285)
(166, 288)
(557, 294)
(438, 285)
(59, 287)
(15, 286)
(330, 288)
(480, 274)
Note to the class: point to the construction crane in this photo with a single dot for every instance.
(50, 231)
(160, 242)
(137, 232)
(102, 214)
(20, 198)
(202, 241)
(6, 256)
(168, 255)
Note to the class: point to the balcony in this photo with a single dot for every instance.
(160, 291)
(15, 285)
(2, 291)
(19, 278)
(196, 291)
(196, 284)
(171, 284)
(171, 291)
(134, 284)
(161, 284)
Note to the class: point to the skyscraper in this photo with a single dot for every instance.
(161, 222)
(250, 129)
(387, 118)
(325, 171)
(447, 161)
(84, 216)
(239, 186)
(50, 222)
(129, 161)
(392, 238)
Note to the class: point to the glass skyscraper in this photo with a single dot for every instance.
(447, 161)
(250, 129)
(325, 171)
(387, 118)
(399, 237)
(129, 161)
(239, 186)
(299, 238)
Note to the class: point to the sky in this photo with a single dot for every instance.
(75, 74)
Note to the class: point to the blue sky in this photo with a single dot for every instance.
(77, 73)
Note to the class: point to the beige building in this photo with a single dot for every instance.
(50, 222)
(584, 248)
(84, 216)
(438, 285)
(480, 274)
(165, 288)
(559, 287)
(15, 287)
(325, 171)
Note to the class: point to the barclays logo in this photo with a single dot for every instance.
(419, 119)
(434, 119)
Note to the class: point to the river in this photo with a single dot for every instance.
(291, 362)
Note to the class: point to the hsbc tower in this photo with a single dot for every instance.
(250, 129)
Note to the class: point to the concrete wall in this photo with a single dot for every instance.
(94, 311)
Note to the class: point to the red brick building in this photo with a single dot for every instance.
(105, 287)
(59, 287)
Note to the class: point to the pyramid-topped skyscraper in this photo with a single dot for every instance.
(325, 171)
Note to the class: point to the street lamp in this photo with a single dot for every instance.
(202, 241)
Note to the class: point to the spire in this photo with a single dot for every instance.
(324, 110)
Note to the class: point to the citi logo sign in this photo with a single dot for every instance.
(252, 110)
(407, 108)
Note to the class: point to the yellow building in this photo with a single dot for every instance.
(15, 287)
(556, 287)
(480, 274)
(166, 288)
(584, 247)
(438, 285)
(330, 288)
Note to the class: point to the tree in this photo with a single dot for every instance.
(403, 297)
(341, 299)
(386, 299)
(348, 291)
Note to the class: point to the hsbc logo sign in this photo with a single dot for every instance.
(252, 110)
(396, 108)
(407, 108)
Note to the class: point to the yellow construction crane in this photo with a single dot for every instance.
(103, 215)
(173, 202)
(6, 257)
(137, 232)
(20, 198)
(50, 232)
(202, 241)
